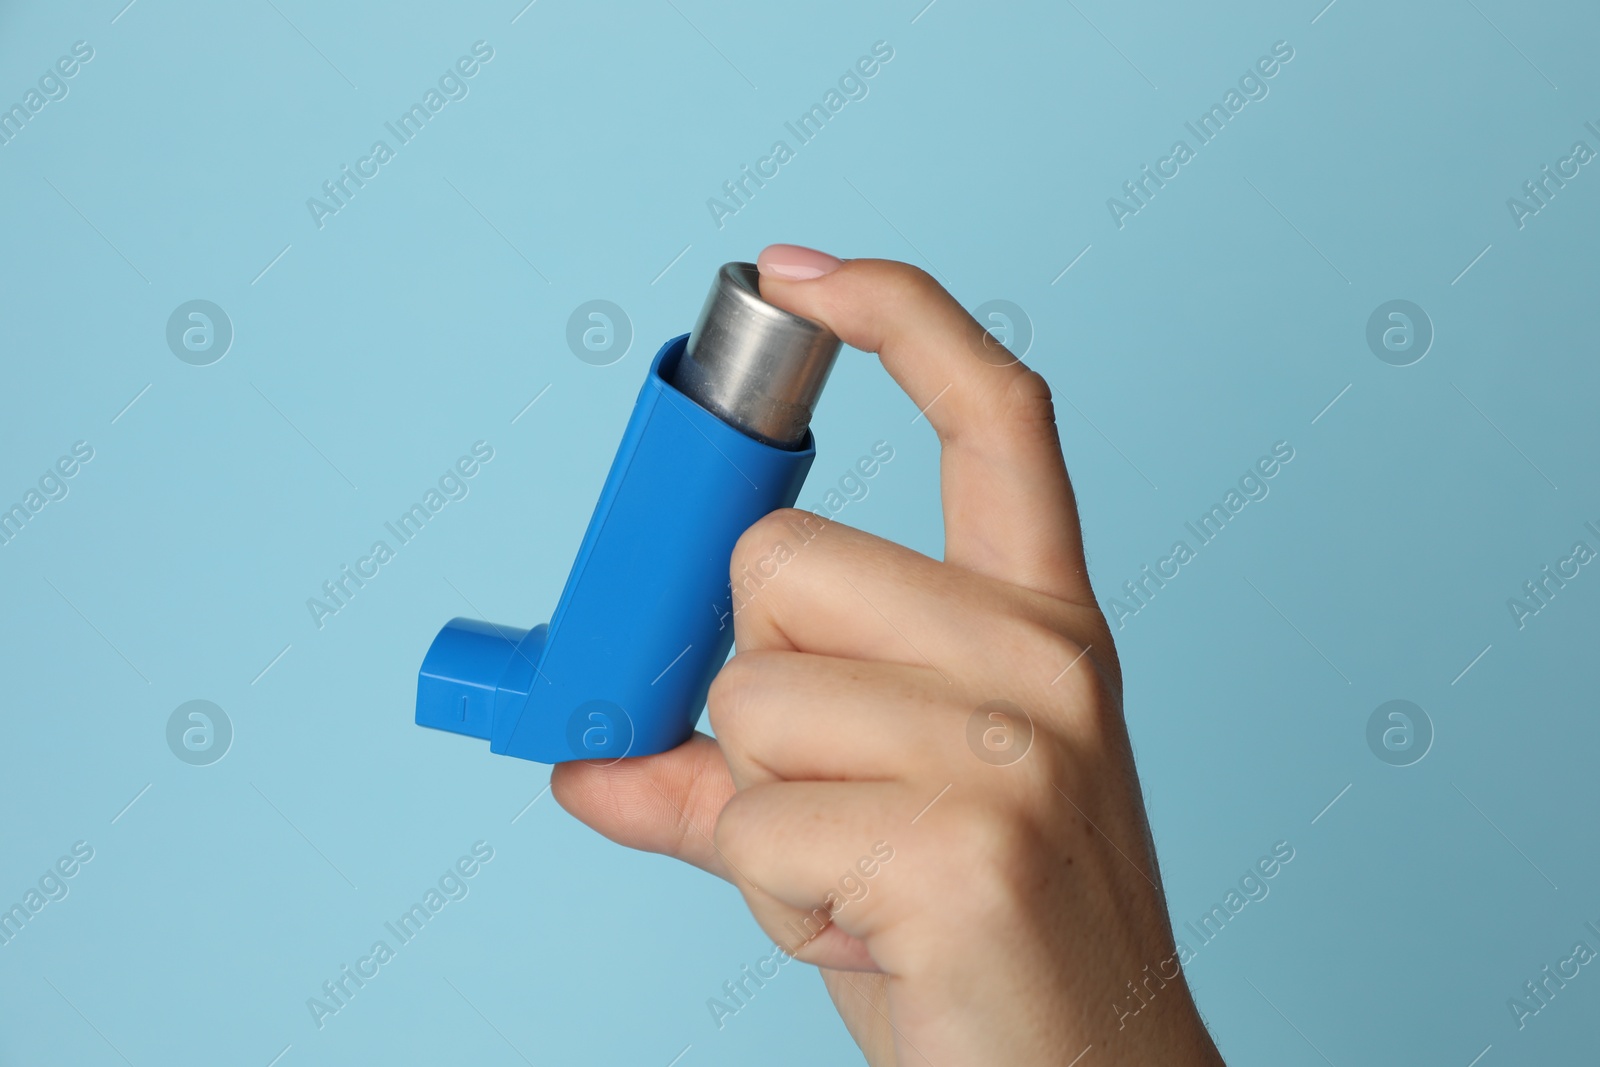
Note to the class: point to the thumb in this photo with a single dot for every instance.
(666, 803)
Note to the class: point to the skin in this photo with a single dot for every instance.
(1022, 895)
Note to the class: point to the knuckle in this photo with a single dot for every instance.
(1075, 683)
(1029, 389)
(750, 544)
(991, 850)
(908, 281)
(1047, 763)
(1039, 645)
(732, 691)
(1085, 704)
(738, 831)
(1044, 650)
(1014, 408)
(1028, 403)
(756, 547)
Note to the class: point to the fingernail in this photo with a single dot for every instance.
(796, 263)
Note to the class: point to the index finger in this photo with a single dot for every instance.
(1009, 511)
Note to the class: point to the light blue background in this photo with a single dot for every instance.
(375, 351)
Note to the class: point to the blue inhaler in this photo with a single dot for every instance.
(718, 438)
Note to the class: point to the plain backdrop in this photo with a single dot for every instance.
(370, 352)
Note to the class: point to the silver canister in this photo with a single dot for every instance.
(758, 367)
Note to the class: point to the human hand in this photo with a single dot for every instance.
(1020, 898)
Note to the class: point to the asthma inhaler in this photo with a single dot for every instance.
(719, 437)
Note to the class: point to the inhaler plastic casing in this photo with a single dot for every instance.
(718, 438)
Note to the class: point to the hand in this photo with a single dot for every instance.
(975, 879)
